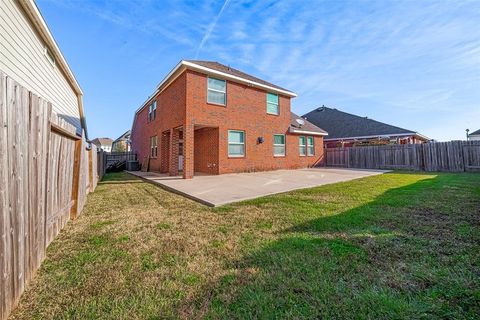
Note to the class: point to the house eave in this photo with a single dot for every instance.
(184, 65)
(194, 66)
(314, 133)
(379, 136)
(36, 18)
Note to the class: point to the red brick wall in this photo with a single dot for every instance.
(170, 114)
(246, 110)
(206, 150)
(183, 103)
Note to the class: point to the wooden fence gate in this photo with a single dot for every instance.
(453, 156)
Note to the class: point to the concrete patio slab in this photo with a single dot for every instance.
(227, 188)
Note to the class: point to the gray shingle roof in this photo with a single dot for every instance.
(234, 72)
(340, 124)
(474, 133)
(307, 126)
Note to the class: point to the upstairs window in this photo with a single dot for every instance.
(152, 111)
(153, 147)
(236, 143)
(310, 147)
(279, 145)
(302, 145)
(217, 91)
(272, 104)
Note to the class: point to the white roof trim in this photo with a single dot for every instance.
(236, 78)
(293, 130)
(383, 135)
(195, 66)
(41, 27)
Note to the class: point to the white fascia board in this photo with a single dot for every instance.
(194, 66)
(307, 132)
(146, 101)
(32, 10)
(36, 18)
(159, 86)
(236, 78)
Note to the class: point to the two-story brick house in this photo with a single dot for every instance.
(205, 117)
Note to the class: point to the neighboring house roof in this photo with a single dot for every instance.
(475, 133)
(306, 128)
(124, 136)
(219, 70)
(343, 125)
(41, 27)
(102, 141)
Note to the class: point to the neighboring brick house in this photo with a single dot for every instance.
(205, 117)
(346, 130)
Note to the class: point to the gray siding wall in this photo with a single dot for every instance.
(23, 58)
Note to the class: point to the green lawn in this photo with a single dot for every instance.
(397, 245)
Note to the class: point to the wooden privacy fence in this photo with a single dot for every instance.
(45, 175)
(453, 156)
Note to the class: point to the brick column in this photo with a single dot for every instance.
(164, 152)
(188, 147)
(173, 154)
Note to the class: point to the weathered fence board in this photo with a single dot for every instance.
(37, 152)
(5, 282)
(453, 156)
(101, 163)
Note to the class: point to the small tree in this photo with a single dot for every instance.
(119, 147)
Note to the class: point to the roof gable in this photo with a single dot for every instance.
(215, 69)
(307, 126)
(340, 124)
(475, 133)
(234, 72)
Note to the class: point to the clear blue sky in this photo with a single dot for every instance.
(414, 64)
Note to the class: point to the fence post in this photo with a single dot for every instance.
(90, 169)
(76, 178)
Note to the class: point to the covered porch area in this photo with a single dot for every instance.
(191, 150)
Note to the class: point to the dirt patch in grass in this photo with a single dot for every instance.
(390, 246)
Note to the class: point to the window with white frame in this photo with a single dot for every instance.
(153, 147)
(302, 145)
(310, 147)
(236, 143)
(152, 111)
(279, 145)
(272, 104)
(217, 91)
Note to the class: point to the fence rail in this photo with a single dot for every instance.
(453, 156)
(45, 175)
